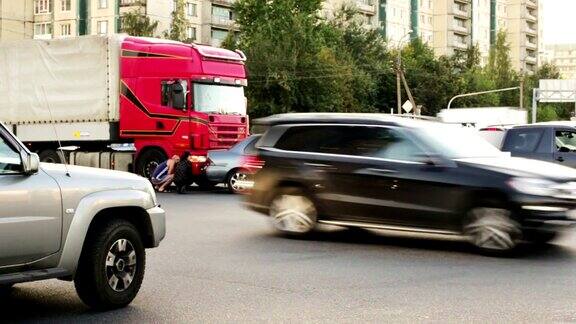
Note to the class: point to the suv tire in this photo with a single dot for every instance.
(492, 230)
(292, 212)
(111, 268)
(5, 290)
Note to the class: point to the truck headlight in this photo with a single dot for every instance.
(534, 186)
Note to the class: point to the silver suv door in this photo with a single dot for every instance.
(30, 209)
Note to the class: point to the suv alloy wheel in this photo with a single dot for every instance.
(492, 230)
(111, 267)
(292, 212)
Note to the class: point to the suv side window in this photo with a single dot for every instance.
(369, 141)
(10, 162)
(565, 141)
(523, 140)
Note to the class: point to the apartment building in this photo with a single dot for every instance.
(452, 25)
(16, 19)
(446, 25)
(563, 56)
(368, 10)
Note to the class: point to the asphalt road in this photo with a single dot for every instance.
(221, 263)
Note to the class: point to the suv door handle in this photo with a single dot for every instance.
(382, 171)
(318, 165)
(560, 159)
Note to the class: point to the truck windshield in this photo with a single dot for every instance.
(219, 99)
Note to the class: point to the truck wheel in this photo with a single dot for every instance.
(51, 156)
(148, 161)
(111, 268)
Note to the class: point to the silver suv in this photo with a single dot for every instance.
(82, 224)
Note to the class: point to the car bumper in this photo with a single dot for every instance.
(547, 212)
(158, 221)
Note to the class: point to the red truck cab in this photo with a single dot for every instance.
(177, 97)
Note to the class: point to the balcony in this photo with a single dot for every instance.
(222, 22)
(531, 59)
(531, 29)
(462, 30)
(532, 4)
(225, 3)
(458, 12)
(43, 36)
(132, 3)
(366, 6)
(530, 16)
(531, 44)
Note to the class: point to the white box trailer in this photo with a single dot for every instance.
(64, 90)
(484, 117)
(69, 83)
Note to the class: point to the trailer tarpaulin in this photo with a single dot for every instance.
(77, 78)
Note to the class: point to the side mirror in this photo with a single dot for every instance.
(564, 149)
(436, 160)
(30, 162)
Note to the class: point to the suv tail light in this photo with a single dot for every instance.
(491, 129)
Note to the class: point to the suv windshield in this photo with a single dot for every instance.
(456, 143)
(219, 99)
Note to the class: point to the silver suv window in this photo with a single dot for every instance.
(10, 162)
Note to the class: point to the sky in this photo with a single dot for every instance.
(559, 21)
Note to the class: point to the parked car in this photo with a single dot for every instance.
(227, 166)
(383, 172)
(88, 225)
(551, 142)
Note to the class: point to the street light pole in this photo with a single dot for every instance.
(478, 93)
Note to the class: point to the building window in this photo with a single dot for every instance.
(191, 9)
(191, 33)
(102, 4)
(65, 30)
(43, 30)
(42, 6)
(222, 13)
(102, 27)
(66, 5)
(218, 36)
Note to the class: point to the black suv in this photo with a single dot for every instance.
(384, 172)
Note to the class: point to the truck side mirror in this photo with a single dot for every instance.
(178, 96)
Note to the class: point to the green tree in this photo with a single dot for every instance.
(135, 23)
(299, 62)
(178, 24)
(500, 69)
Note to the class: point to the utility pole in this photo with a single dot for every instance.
(522, 91)
(412, 101)
(398, 87)
(398, 73)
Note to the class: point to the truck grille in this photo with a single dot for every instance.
(225, 136)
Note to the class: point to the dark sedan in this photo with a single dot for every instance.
(378, 171)
(228, 166)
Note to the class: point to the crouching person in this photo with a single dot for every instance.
(163, 176)
(183, 173)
